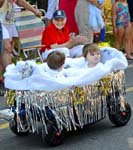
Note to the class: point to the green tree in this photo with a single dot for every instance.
(41, 4)
(32, 2)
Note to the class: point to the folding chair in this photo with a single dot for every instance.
(30, 30)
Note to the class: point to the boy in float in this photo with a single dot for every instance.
(91, 53)
(55, 62)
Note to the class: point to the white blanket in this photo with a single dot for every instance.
(27, 75)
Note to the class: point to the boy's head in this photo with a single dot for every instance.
(55, 60)
(91, 52)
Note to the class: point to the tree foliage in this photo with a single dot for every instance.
(42, 4)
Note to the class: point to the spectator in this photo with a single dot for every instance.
(130, 6)
(56, 37)
(122, 26)
(1, 69)
(52, 6)
(9, 28)
(96, 21)
(82, 15)
(69, 8)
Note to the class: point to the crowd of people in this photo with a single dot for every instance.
(69, 26)
(9, 31)
(122, 26)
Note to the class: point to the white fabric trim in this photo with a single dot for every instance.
(39, 78)
(47, 52)
(72, 52)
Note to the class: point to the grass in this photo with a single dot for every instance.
(109, 38)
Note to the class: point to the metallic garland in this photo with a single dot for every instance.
(72, 107)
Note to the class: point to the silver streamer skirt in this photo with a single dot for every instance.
(71, 108)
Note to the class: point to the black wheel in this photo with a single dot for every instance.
(13, 127)
(54, 137)
(121, 118)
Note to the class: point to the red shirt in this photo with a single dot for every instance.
(51, 35)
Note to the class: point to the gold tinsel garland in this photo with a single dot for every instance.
(78, 95)
(105, 85)
(10, 96)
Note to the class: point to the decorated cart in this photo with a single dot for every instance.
(59, 105)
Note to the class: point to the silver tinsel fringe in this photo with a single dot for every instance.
(87, 103)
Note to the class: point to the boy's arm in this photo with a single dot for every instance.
(26, 5)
